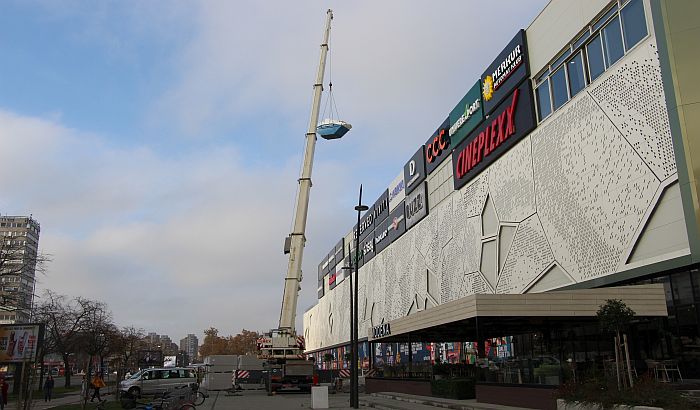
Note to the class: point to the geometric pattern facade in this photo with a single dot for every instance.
(566, 204)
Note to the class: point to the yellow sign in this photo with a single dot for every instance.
(487, 89)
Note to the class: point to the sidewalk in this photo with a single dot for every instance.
(399, 401)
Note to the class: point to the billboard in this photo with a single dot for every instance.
(466, 115)
(150, 358)
(438, 146)
(505, 73)
(20, 342)
(397, 191)
(416, 205)
(397, 223)
(414, 170)
(510, 122)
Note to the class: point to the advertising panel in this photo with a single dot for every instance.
(397, 191)
(381, 236)
(340, 250)
(376, 213)
(20, 342)
(320, 270)
(466, 115)
(414, 171)
(506, 72)
(381, 207)
(150, 358)
(331, 260)
(320, 291)
(510, 122)
(367, 248)
(416, 205)
(397, 223)
(438, 147)
(339, 273)
(331, 280)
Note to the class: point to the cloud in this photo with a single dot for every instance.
(168, 243)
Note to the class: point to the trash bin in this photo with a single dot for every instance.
(319, 397)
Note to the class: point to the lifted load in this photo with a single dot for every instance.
(332, 129)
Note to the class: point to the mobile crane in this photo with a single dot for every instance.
(281, 348)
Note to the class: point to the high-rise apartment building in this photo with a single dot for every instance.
(19, 244)
(190, 345)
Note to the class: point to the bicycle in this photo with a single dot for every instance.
(198, 395)
(169, 400)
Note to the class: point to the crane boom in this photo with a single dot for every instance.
(297, 237)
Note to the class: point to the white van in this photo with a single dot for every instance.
(152, 381)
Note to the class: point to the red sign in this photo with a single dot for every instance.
(511, 121)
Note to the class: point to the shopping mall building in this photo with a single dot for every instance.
(567, 175)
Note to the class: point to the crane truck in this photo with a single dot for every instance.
(281, 348)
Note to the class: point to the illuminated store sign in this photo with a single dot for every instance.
(380, 331)
(367, 249)
(437, 148)
(376, 213)
(416, 206)
(506, 72)
(397, 191)
(414, 171)
(466, 115)
(511, 121)
(396, 223)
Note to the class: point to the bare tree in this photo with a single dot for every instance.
(64, 319)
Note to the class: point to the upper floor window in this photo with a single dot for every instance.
(622, 26)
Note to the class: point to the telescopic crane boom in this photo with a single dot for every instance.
(282, 343)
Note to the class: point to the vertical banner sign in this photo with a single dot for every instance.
(506, 72)
(509, 123)
(339, 273)
(20, 342)
(438, 147)
(414, 171)
(416, 206)
(466, 115)
(340, 251)
(331, 280)
(397, 191)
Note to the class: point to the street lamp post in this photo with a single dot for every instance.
(354, 389)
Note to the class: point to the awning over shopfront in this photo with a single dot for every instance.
(482, 316)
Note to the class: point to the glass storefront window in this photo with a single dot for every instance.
(612, 36)
(560, 95)
(633, 23)
(577, 79)
(544, 102)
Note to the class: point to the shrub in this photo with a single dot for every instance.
(646, 392)
(453, 388)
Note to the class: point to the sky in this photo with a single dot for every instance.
(159, 143)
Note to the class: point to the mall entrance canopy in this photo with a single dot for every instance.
(482, 316)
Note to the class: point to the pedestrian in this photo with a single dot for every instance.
(48, 388)
(83, 389)
(4, 387)
(97, 384)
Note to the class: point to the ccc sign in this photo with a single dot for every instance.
(435, 147)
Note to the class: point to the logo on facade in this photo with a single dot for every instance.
(435, 148)
(416, 206)
(487, 89)
(395, 222)
(469, 110)
(380, 331)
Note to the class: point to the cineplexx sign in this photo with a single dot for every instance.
(509, 123)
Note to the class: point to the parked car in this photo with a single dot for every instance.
(157, 380)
